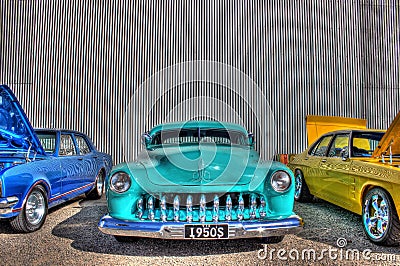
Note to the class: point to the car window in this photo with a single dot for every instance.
(83, 146)
(364, 143)
(191, 136)
(48, 141)
(67, 146)
(321, 147)
(340, 146)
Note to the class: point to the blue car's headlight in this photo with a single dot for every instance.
(120, 182)
(281, 181)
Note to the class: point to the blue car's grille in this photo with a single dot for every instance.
(201, 207)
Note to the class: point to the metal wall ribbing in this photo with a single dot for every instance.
(78, 64)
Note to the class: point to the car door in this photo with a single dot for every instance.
(335, 169)
(311, 170)
(87, 159)
(53, 166)
(70, 163)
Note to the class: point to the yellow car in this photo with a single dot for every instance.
(357, 169)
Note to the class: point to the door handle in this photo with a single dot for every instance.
(80, 158)
(323, 160)
(95, 157)
(306, 158)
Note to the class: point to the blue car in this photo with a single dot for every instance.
(42, 168)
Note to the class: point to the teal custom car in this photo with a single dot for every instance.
(200, 180)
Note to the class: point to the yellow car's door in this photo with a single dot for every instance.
(335, 169)
(311, 170)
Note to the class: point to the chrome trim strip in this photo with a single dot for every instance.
(175, 230)
(71, 191)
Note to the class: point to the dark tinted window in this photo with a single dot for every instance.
(191, 136)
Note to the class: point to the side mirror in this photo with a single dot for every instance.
(251, 139)
(344, 153)
(146, 139)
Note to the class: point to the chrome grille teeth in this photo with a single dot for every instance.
(189, 208)
(253, 206)
(202, 209)
(240, 212)
(216, 209)
(139, 207)
(176, 208)
(150, 207)
(163, 206)
(228, 208)
(262, 207)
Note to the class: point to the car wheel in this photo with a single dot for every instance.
(34, 212)
(98, 188)
(272, 239)
(126, 239)
(301, 193)
(380, 220)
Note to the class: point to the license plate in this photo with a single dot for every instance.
(206, 231)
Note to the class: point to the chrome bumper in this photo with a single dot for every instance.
(7, 204)
(175, 230)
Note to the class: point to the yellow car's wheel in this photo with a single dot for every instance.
(301, 193)
(380, 219)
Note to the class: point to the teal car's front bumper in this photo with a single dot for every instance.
(176, 230)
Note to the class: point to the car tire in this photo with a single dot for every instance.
(380, 219)
(272, 239)
(126, 239)
(33, 213)
(302, 193)
(98, 188)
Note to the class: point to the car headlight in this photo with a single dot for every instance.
(120, 182)
(281, 181)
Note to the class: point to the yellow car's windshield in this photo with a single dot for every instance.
(364, 143)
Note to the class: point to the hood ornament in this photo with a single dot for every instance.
(201, 175)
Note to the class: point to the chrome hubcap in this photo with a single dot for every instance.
(376, 216)
(35, 208)
(299, 184)
(99, 184)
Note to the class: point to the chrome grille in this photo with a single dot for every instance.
(201, 207)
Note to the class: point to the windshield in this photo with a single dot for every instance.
(364, 143)
(197, 135)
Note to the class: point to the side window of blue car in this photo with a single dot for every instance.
(67, 146)
(83, 146)
(48, 141)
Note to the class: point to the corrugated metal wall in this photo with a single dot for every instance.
(78, 64)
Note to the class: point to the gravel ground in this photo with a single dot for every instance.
(70, 237)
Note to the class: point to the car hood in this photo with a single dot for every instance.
(16, 132)
(319, 125)
(390, 142)
(196, 165)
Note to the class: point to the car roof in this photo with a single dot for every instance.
(58, 130)
(198, 123)
(353, 130)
